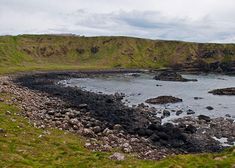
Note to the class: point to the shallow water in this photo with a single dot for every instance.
(138, 89)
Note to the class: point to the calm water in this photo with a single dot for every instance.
(138, 89)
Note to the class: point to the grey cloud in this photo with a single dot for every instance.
(18, 16)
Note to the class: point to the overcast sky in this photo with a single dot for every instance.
(188, 20)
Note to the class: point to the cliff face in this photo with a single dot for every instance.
(122, 52)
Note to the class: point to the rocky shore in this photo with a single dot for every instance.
(106, 122)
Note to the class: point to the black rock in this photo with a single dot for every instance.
(179, 112)
(154, 137)
(228, 115)
(197, 98)
(209, 108)
(190, 129)
(203, 117)
(166, 113)
(190, 112)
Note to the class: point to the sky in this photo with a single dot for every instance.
(184, 20)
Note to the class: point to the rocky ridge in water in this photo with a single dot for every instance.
(225, 91)
(163, 100)
(171, 76)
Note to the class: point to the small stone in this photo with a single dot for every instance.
(117, 127)
(5, 83)
(88, 132)
(190, 129)
(134, 140)
(228, 115)
(179, 112)
(1, 100)
(87, 144)
(83, 106)
(203, 117)
(73, 121)
(189, 112)
(197, 98)
(8, 113)
(166, 113)
(117, 156)
(96, 129)
(107, 131)
(51, 112)
(209, 108)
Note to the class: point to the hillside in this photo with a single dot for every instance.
(54, 51)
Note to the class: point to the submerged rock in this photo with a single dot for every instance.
(209, 108)
(197, 98)
(189, 112)
(225, 91)
(171, 76)
(163, 100)
(179, 112)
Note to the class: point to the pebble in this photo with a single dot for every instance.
(189, 112)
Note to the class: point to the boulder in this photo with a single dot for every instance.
(205, 118)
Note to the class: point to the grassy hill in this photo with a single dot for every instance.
(27, 52)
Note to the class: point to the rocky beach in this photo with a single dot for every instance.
(107, 123)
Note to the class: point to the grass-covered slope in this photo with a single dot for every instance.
(27, 52)
(22, 145)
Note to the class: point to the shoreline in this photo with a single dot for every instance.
(108, 124)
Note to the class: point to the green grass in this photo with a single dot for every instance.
(23, 145)
(48, 67)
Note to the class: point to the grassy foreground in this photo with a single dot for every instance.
(22, 145)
